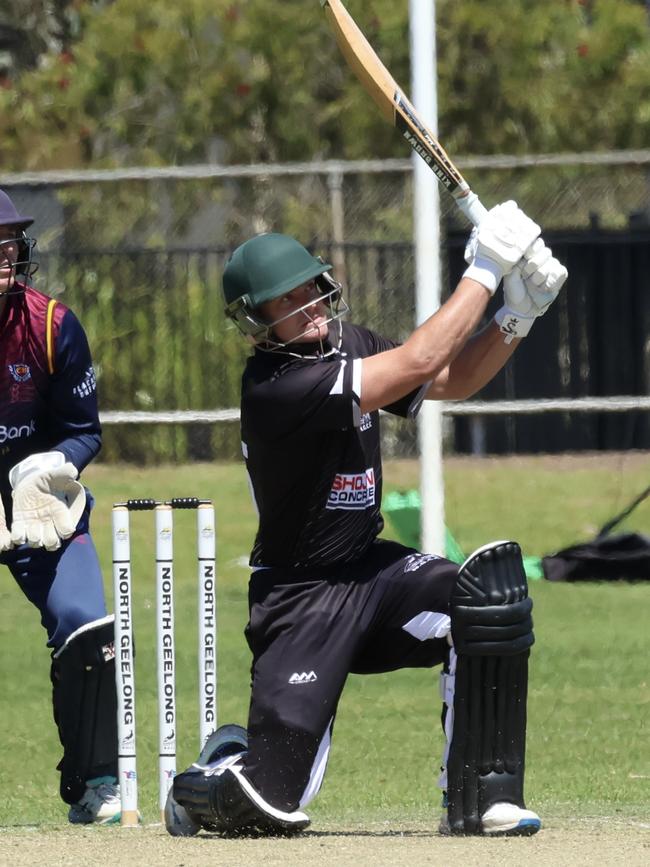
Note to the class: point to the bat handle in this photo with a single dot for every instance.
(471, 207)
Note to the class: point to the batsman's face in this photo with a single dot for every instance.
(300, 316)
(8, 257)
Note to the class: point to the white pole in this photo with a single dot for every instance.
(124, 667)
(166, 655)
(206, 545)
(426, 221)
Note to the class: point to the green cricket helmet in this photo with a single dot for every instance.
(266, 267)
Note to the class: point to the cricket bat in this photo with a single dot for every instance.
(396, 108)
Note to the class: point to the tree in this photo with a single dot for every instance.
(155, 82)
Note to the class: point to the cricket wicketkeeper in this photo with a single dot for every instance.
(327, 596)
(49, 432)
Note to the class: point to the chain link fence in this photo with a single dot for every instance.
(138, 254)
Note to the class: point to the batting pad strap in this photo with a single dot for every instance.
(447, 688)
(89, 627)
(495, 630)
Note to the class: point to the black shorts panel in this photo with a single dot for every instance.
(308, 632)
(407, 589)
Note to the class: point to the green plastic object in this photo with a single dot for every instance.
(403, 510)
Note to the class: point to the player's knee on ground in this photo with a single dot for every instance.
(492, 633)
(84, 703)
(223, 800)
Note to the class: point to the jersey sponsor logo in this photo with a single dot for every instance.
(304, 677)
(352, 490)
(87, 385)
(20, 371)
(17, 432)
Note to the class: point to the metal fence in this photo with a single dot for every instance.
(138, 254)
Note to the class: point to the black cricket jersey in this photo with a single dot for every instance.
(313, 458)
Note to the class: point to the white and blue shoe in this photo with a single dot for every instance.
(503, 820)
(509, 820)
(100, 803)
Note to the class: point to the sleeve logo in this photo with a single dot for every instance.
(87, 385)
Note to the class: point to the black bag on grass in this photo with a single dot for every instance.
(623, 556)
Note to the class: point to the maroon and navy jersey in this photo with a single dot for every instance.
(313, 458)
(48, 397)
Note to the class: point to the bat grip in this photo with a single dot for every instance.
(471, 207)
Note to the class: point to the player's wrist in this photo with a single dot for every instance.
(485, 271)
(512, 324)
(40, 462)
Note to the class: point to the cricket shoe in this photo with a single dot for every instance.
(178, 822)
(502, 820)
(228, 740)
(100, 803)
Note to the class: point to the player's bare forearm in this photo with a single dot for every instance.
(478, 362)
(428, 352)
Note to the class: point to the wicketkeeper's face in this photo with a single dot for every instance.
(300, 316)
(8, 257)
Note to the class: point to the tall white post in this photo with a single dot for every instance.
(426, 223)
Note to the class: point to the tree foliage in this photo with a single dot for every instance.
(151, 82)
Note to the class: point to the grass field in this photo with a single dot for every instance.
(590, 681)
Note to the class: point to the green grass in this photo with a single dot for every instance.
(590, 684)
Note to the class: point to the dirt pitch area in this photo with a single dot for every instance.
(601, 842)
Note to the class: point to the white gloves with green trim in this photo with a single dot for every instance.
(47, 500)
(530, 284)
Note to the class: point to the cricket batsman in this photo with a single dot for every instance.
(327, 596)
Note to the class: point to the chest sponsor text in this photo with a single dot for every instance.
(352, 490)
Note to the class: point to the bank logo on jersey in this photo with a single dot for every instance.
(16, 432)
(20, 371)
(87, 385)
(352, 490)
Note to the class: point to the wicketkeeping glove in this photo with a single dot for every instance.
(529, 290)
(498, 243)
(47, 500)
(5, 535)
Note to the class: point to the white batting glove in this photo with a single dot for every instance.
(5, 535)
(48, 502)
(498, 243)
(529, 290)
